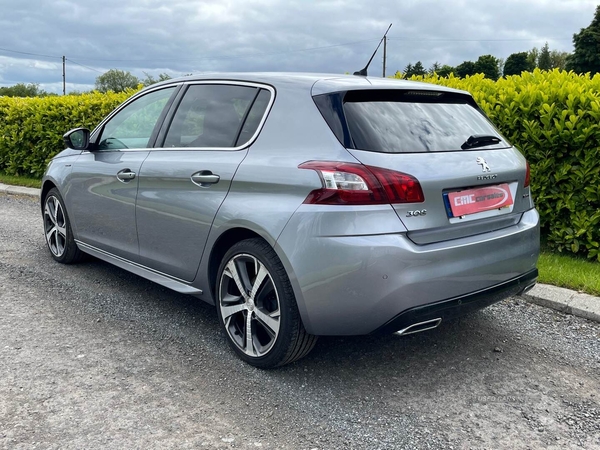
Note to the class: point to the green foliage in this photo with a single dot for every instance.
(488, 65)
(545, 61)
(517, 63)
(465, 69)
(445, 70)
(435, 67)
(149, 80)
(558, 59)
(116, 80)
(553, 117)
(21, 90)
(533, 56)
(417, 70)
(586, 56)
(31, 129)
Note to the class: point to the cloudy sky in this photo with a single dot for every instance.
(337, 36)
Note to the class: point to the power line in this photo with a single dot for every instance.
(30, 54)
(87, 67)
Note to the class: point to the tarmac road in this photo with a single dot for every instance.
(94, 357)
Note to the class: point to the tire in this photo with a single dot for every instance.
(254, 292)
(57, 230)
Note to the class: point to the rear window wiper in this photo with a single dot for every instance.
(480, 140)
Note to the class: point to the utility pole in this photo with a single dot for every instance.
(384, 53)
(64, 59)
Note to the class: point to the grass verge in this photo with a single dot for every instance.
(20, 181)
(569, 272)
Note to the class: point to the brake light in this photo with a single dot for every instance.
(527, 175)
(357, 184)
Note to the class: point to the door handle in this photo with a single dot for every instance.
(125, 175)
(204, 178)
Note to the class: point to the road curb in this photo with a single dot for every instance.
(19, 190)
(564, 300)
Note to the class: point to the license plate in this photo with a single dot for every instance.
(472, 201)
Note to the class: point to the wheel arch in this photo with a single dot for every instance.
(231, 237)
(46, 186)
(223, 243)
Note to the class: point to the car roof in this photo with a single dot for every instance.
(316, 83)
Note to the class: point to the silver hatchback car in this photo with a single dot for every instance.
(301, 205)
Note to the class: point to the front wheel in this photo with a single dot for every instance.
(57, 230)
(257, 307)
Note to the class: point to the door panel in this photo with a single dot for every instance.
(101, 206)
(102, 193)
(175, 212)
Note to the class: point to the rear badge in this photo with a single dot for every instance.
(416, 213)
(487, 177)
(484, 165)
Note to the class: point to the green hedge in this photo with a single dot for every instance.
(553, 117)
(31, 129)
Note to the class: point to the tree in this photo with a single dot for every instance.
(445, 70)
(532, 57)
(544, 61)
(117, 81)
(488, 65)
(517, 63)
(558, 60)
(151, 80)
(418, 69)
(586, 56)
(435, 68)
(22, 90)
(465, 68)
(501, 66)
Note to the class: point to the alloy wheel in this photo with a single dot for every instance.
(249, 305)
(55, 227)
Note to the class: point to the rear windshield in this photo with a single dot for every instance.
(393, 121)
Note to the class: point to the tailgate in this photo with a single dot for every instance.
(466, 192)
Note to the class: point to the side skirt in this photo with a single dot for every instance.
(143, 271)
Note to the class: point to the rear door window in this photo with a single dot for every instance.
(216, 116)
(394, 121)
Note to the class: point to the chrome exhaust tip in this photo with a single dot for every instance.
(527, 288)
(421, 326)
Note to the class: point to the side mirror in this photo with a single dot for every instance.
(77, 139)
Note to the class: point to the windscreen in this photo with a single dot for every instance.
(393, 121)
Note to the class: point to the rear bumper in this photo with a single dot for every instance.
(349, 284)
(461, 305)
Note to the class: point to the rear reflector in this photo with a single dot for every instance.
(357, 184)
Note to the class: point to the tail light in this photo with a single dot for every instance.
(527, 175)
(357, 184)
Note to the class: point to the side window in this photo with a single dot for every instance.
(210, 115)
(254, 117)
(133, 125)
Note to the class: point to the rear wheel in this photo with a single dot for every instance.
(257, 307)
(57, 230)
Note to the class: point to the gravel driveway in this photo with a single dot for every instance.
(94, 357)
